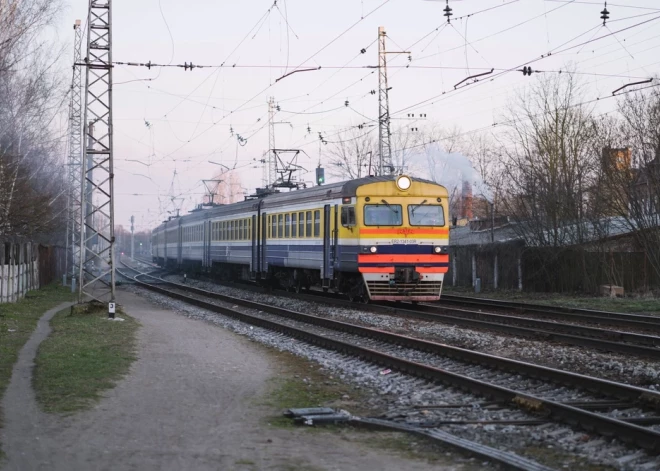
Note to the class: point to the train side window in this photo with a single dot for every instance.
(235, 230)
(240, 229)
(273, 226)
(287, 226)
(246, 230)
(308, 225)
(317, 223)
(301, 224)
(294, 225)
(280, 226)
(348, 216)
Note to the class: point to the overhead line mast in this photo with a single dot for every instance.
(74, 163)
(384, 133)
(97, 246)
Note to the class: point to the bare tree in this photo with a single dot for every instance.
(631, 169)
(32, 182)
(353, 155)
(549, 163)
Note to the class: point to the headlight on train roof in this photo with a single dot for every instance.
(403, 183)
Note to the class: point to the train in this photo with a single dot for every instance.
(379, 238)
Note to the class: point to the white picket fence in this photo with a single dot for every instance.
(19, 270)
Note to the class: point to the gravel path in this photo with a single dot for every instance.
(189, 402)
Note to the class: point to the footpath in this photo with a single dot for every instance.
(190, 402)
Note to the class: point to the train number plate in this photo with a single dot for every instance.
(404, 241)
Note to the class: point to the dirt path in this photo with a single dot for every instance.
(188, 403)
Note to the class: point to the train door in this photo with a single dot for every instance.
(254, 261)
(263, 268)
(328, 262)
(179, 245)
(335, 238)
(206, 255)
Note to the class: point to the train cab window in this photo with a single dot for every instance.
(301, 224)
(294, 225)
(287, 226)
(317, 223)
(383, 215)
(280, 226)
(348, 216)
(308, 225)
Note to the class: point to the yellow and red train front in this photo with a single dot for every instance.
(403, 239)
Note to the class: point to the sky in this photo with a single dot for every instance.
(170, 122)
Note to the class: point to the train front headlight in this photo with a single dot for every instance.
(403, 183)
(437, 249)
(373, 249)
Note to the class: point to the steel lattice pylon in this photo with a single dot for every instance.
(384, 141)
(74, 162)
(97, 270)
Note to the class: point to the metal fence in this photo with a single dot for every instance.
(564, 270)
(25, 266)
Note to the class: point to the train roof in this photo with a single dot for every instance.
(328, 191)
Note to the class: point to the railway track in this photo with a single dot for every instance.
(605, 407)
(607, 340)
(642, 322)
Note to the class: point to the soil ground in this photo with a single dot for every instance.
(194, 399)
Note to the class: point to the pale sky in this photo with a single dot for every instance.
(191, 113)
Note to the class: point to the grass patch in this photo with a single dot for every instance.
(84, 355)
(629, 304)
(302, 383)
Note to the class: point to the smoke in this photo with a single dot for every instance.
(450, 170)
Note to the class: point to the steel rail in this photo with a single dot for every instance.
(625, 431)
(592, 337)
(561, 312)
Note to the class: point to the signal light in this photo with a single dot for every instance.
(320, 176)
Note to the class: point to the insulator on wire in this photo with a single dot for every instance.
(605, 15)
(363, 51)
(527, 70)
(448, 12)
(346, 103)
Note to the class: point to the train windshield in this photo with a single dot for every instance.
(426, 215)
(383, 215)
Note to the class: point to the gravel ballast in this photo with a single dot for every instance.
(396, 395)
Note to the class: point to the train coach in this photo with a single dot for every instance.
(374, 238)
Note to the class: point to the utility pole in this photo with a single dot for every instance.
(132, 236)
(384, 141)
(75, 160)
(384, 134)
(272, 157)
(97, 267)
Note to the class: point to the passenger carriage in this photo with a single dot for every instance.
(375, 238)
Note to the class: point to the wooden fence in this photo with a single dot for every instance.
(25, 266)
(563, 270)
